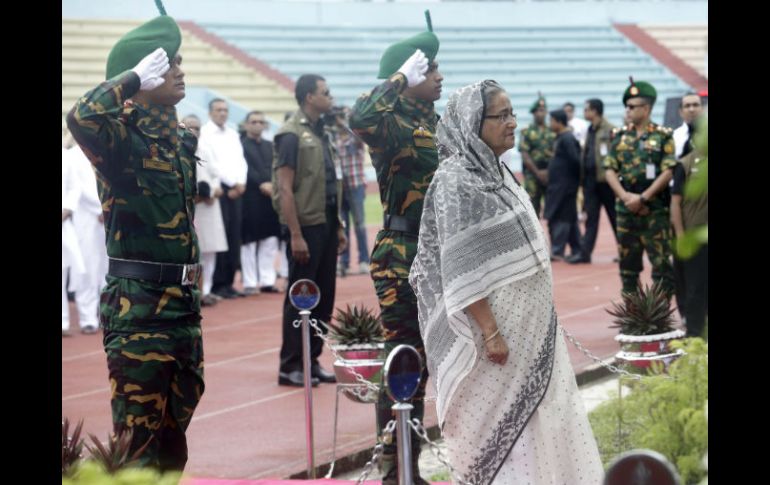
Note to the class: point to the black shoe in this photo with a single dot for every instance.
(557, 257)
(236, 293)
(317, 372)
(295, 379)
(224, 293)
(577, 259)
(269, 289)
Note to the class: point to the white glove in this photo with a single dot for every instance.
(415, 68)
(151, 69)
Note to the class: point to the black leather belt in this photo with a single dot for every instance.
(402, 224)
(179, 274)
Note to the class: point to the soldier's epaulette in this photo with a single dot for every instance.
(665, 130)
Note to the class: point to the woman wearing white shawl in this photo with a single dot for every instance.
(507, 400)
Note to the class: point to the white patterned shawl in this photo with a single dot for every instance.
(475, 237)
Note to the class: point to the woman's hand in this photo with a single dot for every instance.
(497, 350)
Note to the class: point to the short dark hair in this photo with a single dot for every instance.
(216, 100)
(191, 115)
(253, 112)
(559, 115)
(688, 93)
(568, 104)
(596, 105)
(306, 84)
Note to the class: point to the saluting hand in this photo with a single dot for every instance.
(414, 68)
(151, 69)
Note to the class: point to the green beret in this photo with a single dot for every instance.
(395, 55)
(640, 88)
(537, 104)
(137, 44)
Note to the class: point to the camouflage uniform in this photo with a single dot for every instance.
(146, 173)
(538, 142)
(629, 157)
(400, 133)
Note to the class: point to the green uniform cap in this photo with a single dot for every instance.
(395, 55)
(537, 104)
(137, 44)
(639, 88)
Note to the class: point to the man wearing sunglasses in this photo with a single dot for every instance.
(639, 168)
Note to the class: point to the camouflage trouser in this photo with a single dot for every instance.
(651, 233)
(398, 310)
(157, 381)
(535, 189)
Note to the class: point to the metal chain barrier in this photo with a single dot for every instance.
(612, 368)
(388, 431)
(368, 387)
(418, 428)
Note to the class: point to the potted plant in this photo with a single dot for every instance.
(646, 325)
(359, 336)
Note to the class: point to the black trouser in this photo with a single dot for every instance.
(595, 195)
(692, 290)
(228, 262)
(563, 232)
(322, 242)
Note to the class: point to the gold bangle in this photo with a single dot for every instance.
(494, 334)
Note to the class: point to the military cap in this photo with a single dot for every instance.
(639, 89)
(540, 103)
(161, 31)
(395, 55)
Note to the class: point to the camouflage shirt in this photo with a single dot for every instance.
(400, 132)
(538, 142)
(146, 175)
(630, 156)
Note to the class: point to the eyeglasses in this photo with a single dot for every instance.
(503, 118)
(634, 106)
(326, 93)
(691, 105)
(259, 122)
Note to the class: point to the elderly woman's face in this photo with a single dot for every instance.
(499, 124)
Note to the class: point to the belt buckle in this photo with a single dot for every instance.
(190, 274)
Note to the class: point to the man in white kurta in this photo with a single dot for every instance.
(223, 145)
(71, 258)
(89, 224)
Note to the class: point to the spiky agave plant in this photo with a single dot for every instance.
(357, 325)
(71, 446)
(115, 455)
(647, 311)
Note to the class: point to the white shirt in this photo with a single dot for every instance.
(579, 129)
(224, 146)
(70, 188)
(89, 195)
(680, 138)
